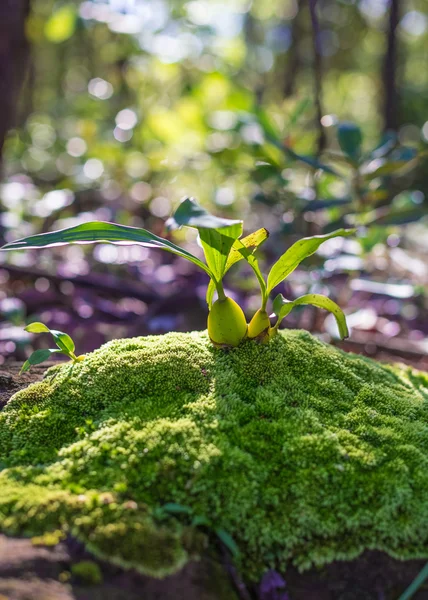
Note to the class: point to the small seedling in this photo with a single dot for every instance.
(223, 247)
(177, 510)
(65, 345)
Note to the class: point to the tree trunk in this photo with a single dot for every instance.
(390, 69)
(14, 50)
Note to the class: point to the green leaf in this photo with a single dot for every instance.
(228, 541)
(37, 328)
(217, 235)
(283, 307)
(273, 137)
(101, 231)
(61, 25)
(37, 357)
(63, 341)
(176, 509)
(254, 264)
(189, 213)
(418, 581)
(217, 244)
(253, 240)
(398, 217)
(298, 252)
(199, 521)
(350, 139)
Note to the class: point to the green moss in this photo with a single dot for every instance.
(303, 453)
(88, 572)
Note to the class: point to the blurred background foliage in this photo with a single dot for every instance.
(295, 116)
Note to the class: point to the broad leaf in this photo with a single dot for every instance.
(191, 214)
(217, 235)
(350, 139)
(217, 244)
(283, 307)
(101, 231)
(252, 241)
(63, 341)
(37, 357)
(298, 252)
(37, 328)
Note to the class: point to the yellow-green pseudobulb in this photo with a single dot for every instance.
(226, 323)
(259, 326)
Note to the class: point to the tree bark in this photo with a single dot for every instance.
(294, 59)
(14, 51)
(317, 70)
(390, 69)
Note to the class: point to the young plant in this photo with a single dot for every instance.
(223, 247)
(226, 321)
(260, 326)
(63, 341)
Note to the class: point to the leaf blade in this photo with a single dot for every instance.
(253, 240)
(102, 231)
(298, 252)
(283, 307)
(37, 327)
(36, 358)
(217, 235)
(191, 214)
(63, 341)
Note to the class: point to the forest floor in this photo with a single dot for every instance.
(29, 571)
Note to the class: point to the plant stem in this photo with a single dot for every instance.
(220, 290)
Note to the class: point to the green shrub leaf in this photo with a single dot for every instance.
(283, 307)
(217, 235)
(252, 241)
(63, 341)
(190, 214)
(37, 357)
(101, 231)
(298, 252)
(37, 328)
(350, 139)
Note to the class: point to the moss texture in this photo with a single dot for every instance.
(302, 453)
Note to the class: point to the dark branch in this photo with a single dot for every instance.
(390, 68)
(317, 68)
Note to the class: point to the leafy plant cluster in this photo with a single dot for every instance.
(375, 182)
(63, 341)
(223, 246)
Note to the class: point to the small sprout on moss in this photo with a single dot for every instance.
(65, 345)
(87, 571)
(223, 247)
(172, 508)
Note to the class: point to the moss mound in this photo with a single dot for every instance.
(302, 453)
